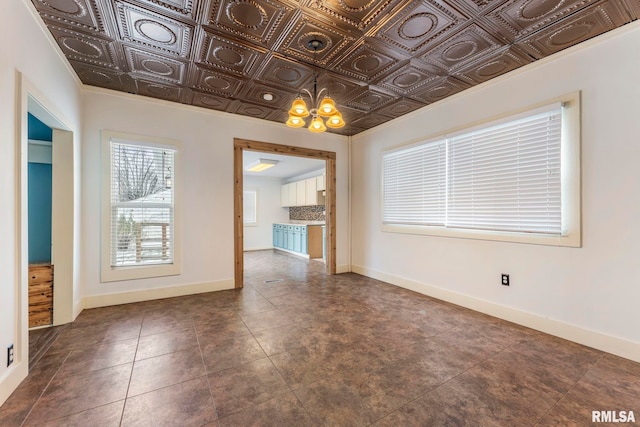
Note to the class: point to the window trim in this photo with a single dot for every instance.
(256, 223)
(570, 182)
(113, 274)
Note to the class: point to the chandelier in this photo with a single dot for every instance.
(321, 106)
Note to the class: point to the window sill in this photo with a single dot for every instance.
(571, 240)
(116, 274)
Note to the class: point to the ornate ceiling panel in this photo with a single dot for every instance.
(380, 59)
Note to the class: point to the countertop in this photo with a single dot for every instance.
(300, 222)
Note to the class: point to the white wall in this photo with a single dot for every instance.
(28, 50)
(588, 294)
(269, 212)
(206, 182)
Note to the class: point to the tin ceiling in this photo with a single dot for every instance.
(381, 58)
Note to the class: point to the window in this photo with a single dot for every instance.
(516, 179)
(250, 206)
(139, 229)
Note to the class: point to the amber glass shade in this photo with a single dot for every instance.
(317, 125)
(295, 122)
(335, 121)
(299, 108)
(327, 107)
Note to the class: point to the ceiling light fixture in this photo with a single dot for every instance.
(321, 106)
(261, 164)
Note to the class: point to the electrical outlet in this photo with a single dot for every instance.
(505, 279)
(10, 355)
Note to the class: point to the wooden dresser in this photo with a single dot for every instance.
(40, 295)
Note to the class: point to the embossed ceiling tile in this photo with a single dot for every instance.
(149, 65)
(184, 8)
(370, 120)
(399, 108)
(492, 66)
(369, 99)
(82, 14)
(367, 62)
(421, 23)
(146, 28)
(284, 73)
(255, 20)
(474, 7)
(462, 48)
(158, 90)
(216, 82)
(409, 78)
(83, 47)
(340, 89)
(279, 116)
(633, 6)
(230, 55)
(523, 17)
(305, 29)
(359, 14)
(99, 76)
(438, 89)
(252, 110)
(255, 93)
(347, 130)
(587, 24)
(210, 101)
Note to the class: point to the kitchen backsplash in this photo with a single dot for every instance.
(307, 213)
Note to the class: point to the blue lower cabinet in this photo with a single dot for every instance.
(275, 235)
(297, 239)
(303, 240)
(290, 237)
(278, 236)
(289, 240)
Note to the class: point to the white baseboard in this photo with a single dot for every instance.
(105, 300)
(298, 254)
(343, 268)
(12, 378)
(610, 344)
(266, 248)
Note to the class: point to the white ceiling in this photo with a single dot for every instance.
(287, 167)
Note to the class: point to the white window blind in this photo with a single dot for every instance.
(501, 177)
(507, 177)
(415, 185)
(142, 205)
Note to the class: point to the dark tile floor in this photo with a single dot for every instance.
(313, 350)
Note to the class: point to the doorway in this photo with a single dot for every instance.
(63, 216)
(240, 145)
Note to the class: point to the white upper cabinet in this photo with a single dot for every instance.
(307, 192)
(301, 191)
(311, 196)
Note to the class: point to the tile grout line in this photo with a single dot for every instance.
(206, 374)
(423, 394)
(45, 387)
(133, 364)
(569, 389)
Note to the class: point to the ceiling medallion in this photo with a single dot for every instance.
(71, 8)
(155, 31)
(321, 106)
(247, 14)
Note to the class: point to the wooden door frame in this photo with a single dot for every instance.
(239, 145)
